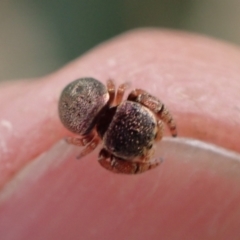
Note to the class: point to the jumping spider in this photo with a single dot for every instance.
(128, 129)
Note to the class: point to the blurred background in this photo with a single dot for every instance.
(38, 37)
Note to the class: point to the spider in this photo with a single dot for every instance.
(127, 128)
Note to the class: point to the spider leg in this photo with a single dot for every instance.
(80, 140)
(154, 104)
(120, 93)
(159, 134)
(111, 91)
(89, 147)
(118, 165)
(90, 142)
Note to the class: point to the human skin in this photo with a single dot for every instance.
(194, 194)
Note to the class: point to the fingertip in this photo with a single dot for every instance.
(186, 193)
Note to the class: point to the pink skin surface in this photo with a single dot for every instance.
(47, 194)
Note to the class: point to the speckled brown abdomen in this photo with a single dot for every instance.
(132, 130)
(80, 103)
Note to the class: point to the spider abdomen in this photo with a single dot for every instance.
(80, 103)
